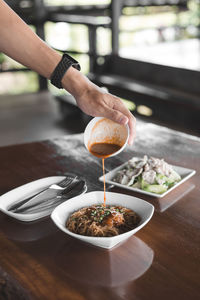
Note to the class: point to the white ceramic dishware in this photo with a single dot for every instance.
(62, 212)
(26, 191)
(183, 172)
(101, 130)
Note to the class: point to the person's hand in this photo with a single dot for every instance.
(95, 102)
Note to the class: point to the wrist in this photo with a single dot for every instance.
(75, 82)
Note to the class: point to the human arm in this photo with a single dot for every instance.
(19, 42)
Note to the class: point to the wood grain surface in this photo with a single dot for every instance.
(162, 261)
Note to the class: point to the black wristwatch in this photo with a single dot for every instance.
(62, 67)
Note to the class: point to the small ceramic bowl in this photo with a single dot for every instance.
(62, 212)
(102, 130)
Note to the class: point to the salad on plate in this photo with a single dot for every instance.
(151, 174)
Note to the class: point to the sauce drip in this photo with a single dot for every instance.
(104, 183)
(103, 150)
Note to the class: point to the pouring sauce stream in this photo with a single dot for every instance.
(103, 150)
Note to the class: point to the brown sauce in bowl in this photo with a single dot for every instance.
(103, 150)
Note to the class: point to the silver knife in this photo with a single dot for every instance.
(49, 197)
(50, 191)
(77, 188)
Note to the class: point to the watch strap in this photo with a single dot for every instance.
(66, 62)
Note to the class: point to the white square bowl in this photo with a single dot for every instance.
(62, 212)
(183, 172)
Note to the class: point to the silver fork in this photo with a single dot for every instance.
(63, 184)
(57, 186)
(74, 189)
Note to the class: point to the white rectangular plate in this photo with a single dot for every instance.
(183, 172)
(26, 191)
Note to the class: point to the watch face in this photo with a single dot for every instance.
(73, 62)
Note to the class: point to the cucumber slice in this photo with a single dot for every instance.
(136, 185)
(169, 181)
(143, 183)
(174, 176)
(162, 179)
(155, 188)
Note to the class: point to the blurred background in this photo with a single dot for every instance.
(145, 51)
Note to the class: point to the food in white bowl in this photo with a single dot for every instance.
(63, 212)
(152, 175)
(100, 220)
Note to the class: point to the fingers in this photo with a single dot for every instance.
(98, 103)
(132, 127)
(115, 116)
(119, 106)
(123, 118)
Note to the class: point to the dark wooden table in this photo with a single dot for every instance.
(162, 261)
